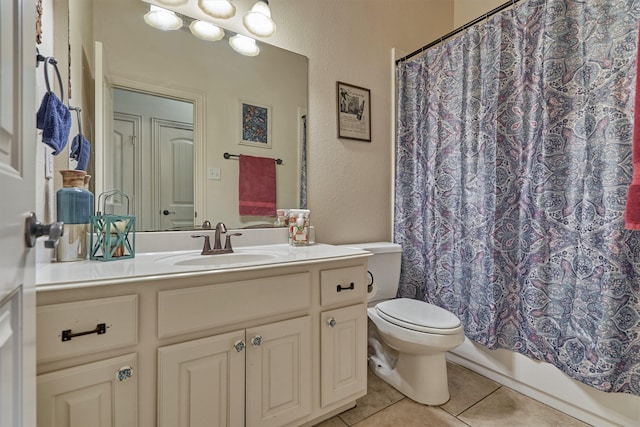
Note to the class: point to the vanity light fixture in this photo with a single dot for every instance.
(258, 20)
(244, 45)
(162, 19)
(220, 9)
(206, 31)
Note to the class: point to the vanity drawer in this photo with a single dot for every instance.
(187, 310)
(108, 323)
(342, 285)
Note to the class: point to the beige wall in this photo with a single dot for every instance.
(350, 182)
(465, 11)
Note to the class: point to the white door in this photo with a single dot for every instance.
(17, 198)
(173, 143)
(125, 156)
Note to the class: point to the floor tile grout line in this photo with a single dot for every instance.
(373, 413)
(476, 403)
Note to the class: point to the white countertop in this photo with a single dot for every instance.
(155, 265)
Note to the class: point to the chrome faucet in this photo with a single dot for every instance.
(217, 244)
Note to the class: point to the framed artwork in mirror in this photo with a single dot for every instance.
(255, 124)
(354, 112)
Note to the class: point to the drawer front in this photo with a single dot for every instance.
(187, 310)
(86, 327)
(342, 285)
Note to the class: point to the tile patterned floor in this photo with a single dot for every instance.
(475, 401)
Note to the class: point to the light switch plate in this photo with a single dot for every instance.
(213, 173)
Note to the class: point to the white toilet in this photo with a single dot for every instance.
(408, 338)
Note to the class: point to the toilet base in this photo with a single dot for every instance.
(422, 378)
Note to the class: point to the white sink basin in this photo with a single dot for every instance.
(235, 259)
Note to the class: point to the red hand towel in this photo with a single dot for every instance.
(632, 210)
(257, 186)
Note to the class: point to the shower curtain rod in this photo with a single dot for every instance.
(458, 30)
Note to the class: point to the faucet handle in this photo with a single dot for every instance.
(227, 243)
(207, 245)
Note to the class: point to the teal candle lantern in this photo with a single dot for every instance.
(113, 236)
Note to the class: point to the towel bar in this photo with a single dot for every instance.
(228, 156)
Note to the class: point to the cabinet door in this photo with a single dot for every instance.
(97, 394)
(343, 336)
(201, 382)
(279, 372)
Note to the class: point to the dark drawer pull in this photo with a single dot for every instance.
(101, 328)
(340, 288)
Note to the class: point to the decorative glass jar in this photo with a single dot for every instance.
(74, 207)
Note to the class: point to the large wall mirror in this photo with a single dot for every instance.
(169, 105)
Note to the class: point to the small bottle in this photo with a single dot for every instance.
(299, 227)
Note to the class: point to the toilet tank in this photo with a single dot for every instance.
(384, 265)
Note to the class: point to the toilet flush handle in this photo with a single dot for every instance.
(332, 322)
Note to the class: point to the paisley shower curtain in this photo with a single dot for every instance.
(513, 162)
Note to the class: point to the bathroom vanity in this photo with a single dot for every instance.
(271, 336)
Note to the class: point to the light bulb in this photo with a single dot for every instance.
(258, 20)
(172, 2)
(206, 31)
(244, 45)
(162, 19)
(220, 9)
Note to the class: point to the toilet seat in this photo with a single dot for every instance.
(418, 316)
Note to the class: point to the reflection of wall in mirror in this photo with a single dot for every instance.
(178, 60)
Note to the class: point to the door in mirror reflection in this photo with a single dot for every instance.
(152, 158)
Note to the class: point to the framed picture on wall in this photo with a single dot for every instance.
(354, 112)
(255, 124)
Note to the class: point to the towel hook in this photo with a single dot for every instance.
(51, 60)
(39, 57)
(78, 110)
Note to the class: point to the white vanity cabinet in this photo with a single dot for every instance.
(88, 394)
(210, 381)
(343, 334)
(279, 345)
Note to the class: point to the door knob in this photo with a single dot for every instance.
(34, 229)
(167, 212)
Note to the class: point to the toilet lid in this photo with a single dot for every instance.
(418, 316)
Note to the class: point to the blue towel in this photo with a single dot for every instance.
(54, 119)
(80, 151)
